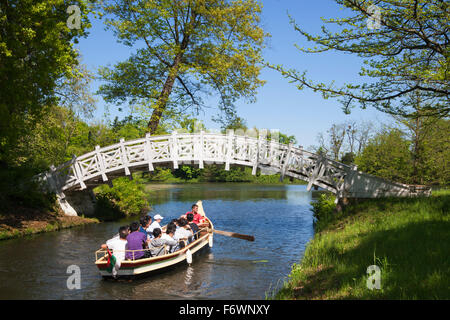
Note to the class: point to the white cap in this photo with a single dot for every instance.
(158, 217)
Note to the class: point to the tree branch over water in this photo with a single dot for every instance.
(406, 51)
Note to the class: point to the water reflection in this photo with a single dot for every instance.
(278, 216)
(188, 277)
(235, 192)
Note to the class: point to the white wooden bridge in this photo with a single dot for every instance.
(104, 164)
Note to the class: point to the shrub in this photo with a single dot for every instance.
(125, 198)
(324, 209)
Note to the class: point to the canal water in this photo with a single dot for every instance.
(279, 216)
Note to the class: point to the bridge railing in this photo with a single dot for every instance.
(94, 167)
(178, 148)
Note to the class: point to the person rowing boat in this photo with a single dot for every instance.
(159, 260)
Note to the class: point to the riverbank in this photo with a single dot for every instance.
(127, 198)
(408, 239)
(27, 221)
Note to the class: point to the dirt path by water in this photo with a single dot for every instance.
(21, 221)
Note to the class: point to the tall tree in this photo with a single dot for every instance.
(337, 137)
(436, 155)
(186, 49)
(36, 51)
(405, 45)
(420, 128)
(344, 140)
(387, 155)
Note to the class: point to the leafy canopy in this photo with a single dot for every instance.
(36, 52)
(407, 52)
(185, 51)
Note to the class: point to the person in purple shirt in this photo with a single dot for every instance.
(136, 241)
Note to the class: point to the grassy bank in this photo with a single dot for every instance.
(27, 221)
(25, 209)
(407, 238)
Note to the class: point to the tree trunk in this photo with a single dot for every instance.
(164, 96)
(168, 85)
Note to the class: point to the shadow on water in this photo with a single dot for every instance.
(278, 216)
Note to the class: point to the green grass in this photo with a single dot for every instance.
(407, 238)
(47, 227)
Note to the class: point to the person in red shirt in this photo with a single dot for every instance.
(197, 216)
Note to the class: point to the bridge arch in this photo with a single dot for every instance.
(121, 159)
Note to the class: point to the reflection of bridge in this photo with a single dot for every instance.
(104, 164)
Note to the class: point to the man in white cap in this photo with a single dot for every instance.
(155, 224)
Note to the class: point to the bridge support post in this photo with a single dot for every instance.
(77, 203)
(342, 203)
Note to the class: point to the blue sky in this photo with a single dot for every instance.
(279, 104)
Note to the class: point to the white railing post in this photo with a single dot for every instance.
(200, 150)
(77, 171)
(148, 152)
(230, 134)
(123, 151)
(174, 149)
(100, 162)
(260, 152)
(248, 148)
(287, 159)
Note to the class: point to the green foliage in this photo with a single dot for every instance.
(36, 52)
(348, 158)
(125, 197)
(129, 128)
(407, 52)
(324, 209)
(187, 173)
(163, 175)
(191, 48)
(387, 155)
(406, 238)
(106, 209)
(235, 174)
(18, 189)
(393, 155)
(213, 173)
(435, 155)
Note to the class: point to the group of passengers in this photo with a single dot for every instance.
(149, 235)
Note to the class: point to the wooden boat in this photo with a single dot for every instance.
(131, 268)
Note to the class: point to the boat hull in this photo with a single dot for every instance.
(160, 263)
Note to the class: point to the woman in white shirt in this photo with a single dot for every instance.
(155, 224)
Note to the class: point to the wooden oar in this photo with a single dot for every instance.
(235, 235)
(225, 233)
